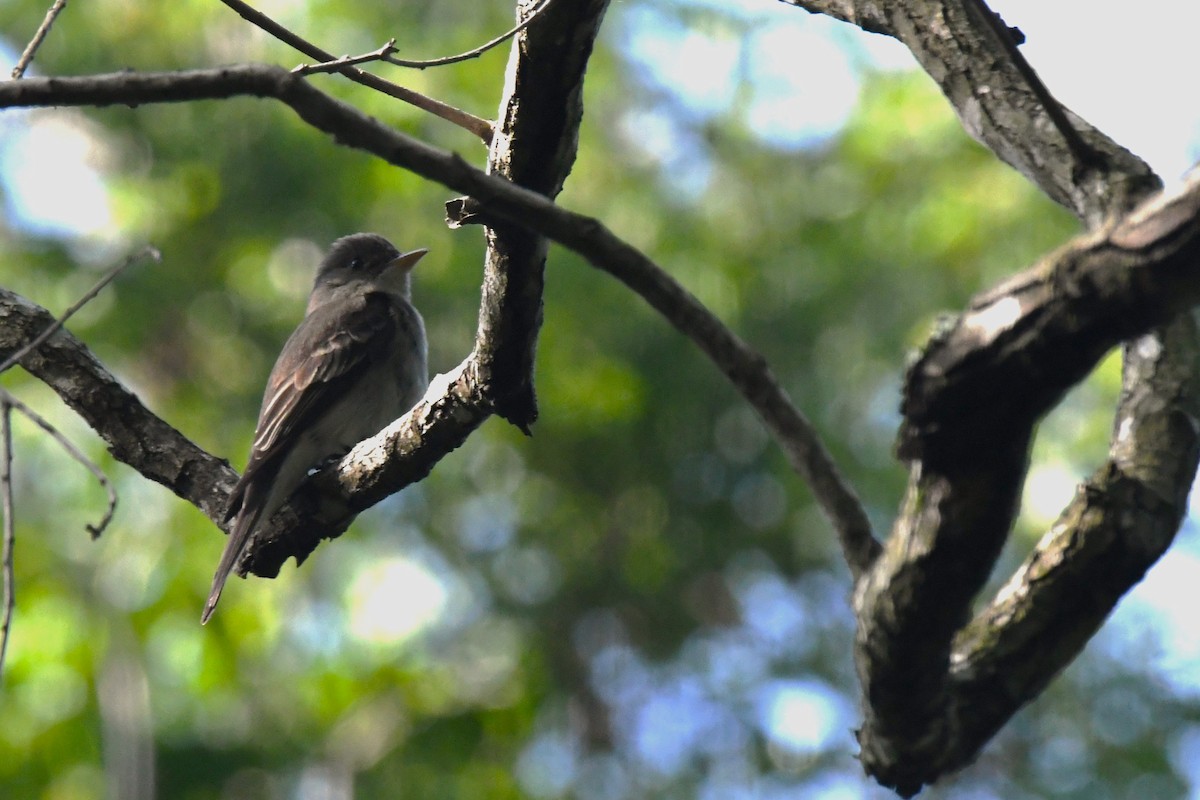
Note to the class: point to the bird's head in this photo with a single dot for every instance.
(366, 257)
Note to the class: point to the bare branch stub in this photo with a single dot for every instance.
(539, 121)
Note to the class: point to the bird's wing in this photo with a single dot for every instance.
(330, 349)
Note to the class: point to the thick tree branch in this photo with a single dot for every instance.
(1021, 345)
(870, 15)
(930, 707)
(1120, 522)
(971, 403)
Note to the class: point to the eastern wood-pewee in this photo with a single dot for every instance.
(356, 362)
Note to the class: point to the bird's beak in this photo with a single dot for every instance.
(406, 261)
(395, 274)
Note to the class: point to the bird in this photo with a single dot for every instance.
(357, 361)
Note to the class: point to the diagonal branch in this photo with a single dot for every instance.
(1081, 151)
(974, 62)
(1020, 346)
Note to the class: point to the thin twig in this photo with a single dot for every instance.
(146, 252)
(38, 37)
(10, 589)
(7, 400)
(385, 53)
(346, 61)
(480, 127)
(476, 52)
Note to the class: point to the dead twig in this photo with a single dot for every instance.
(474, 52)
(346, 61)
(39, 36)
(8, 401)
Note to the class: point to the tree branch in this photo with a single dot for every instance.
(346, 61)
(961, 48)
(1120, 522)
(1020, 346)
(970, 405)
(870, 15)
(7, 574)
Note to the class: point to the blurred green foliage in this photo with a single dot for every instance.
(641, 600)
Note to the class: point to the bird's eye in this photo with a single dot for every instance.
(356, 263)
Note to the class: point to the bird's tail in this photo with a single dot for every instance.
(246, 519)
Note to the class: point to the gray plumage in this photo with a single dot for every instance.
(356, 362)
